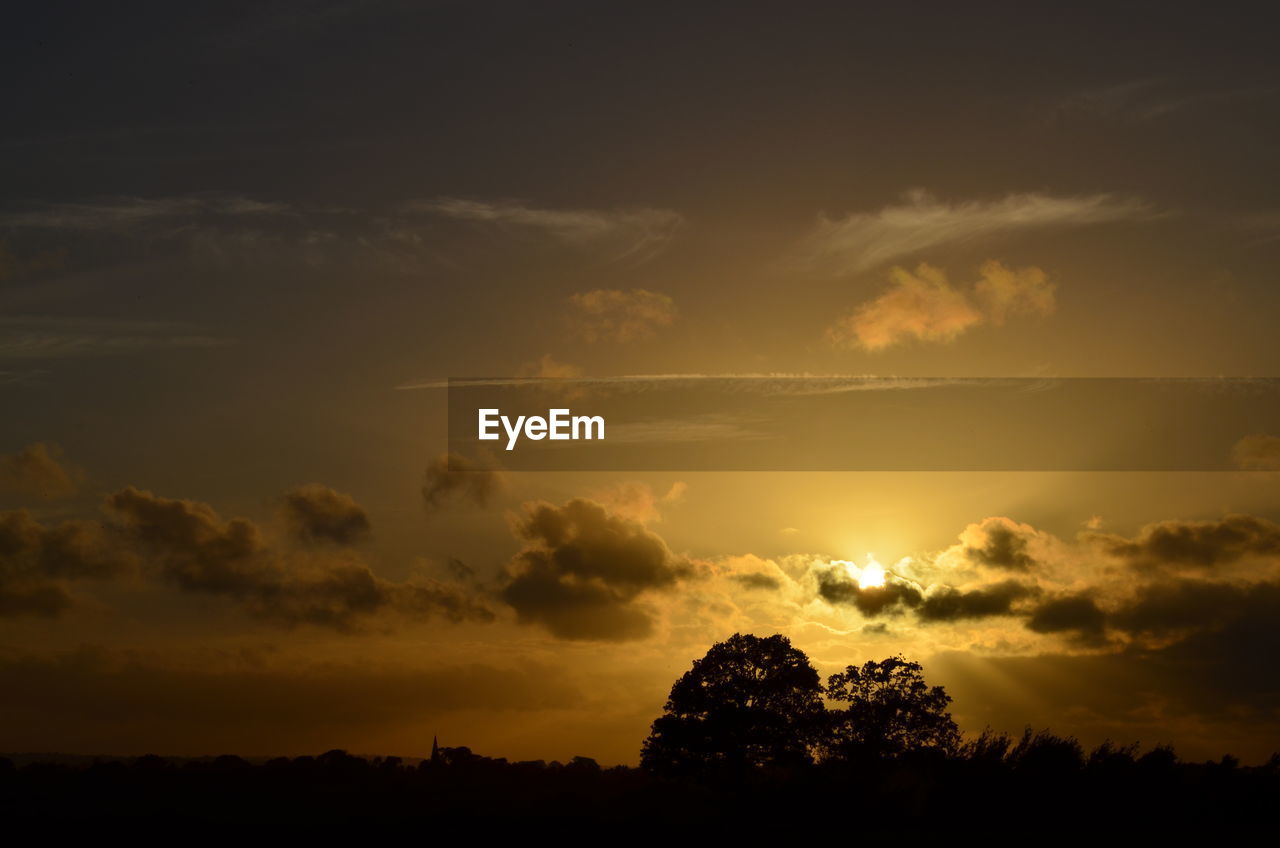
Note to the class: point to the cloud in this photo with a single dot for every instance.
(1078, 615)
(582, 570)
(620, 316)
(188, 545)
(317, 513)
(37, 470)
(999, 542)
(1184, 606)
(1197, 544)
(924, 306)
(35, 337)
(638, 501)
(37, 561)
(635, 234)
(138, 214)
(757, 580)
(194, 549)
(452, 477)
(1142, 100)
(1257, 452)
(836, 587)
(946, 603)
(866, 240)
(1006, 292)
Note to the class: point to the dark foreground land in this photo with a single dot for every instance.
(1043, 792)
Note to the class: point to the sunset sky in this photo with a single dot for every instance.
(244, 247)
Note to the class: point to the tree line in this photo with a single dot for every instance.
(751, 742)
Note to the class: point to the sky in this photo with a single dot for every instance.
(243, 248)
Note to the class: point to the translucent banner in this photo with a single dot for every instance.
(786, 423)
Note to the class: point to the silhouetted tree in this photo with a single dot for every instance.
(890, 712)
(749, 702)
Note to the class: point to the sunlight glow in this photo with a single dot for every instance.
(870, 576)
(872, 573)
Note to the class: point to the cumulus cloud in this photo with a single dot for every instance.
(194, 549)
(999, 542)
(924, 306)
(317, 513)
(866, 240)
(946, 603)
(1078, 614)
(38, 471)
(1183, 606)
(1005, 292)
(638, 501)
(836, 587)
(620, 316)
(583, 570)
(187, 545)
(1197, 544)
(452, 477)
(627, 233)
(757, 580)
(37, 561)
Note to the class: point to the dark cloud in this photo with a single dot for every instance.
(1077, 615)
(36, 562)
(317, 513)
(452, 477)
(38, 471)
(946, 603)
(1200, 544)
(1005, 546)
(836, 587)
(195, 550)
(582, 569)
(1187, 606)
(757, 581)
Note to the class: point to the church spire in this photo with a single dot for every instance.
(435, 750)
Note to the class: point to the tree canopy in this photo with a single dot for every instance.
(755, 701)
(890, 711)
(749, 702)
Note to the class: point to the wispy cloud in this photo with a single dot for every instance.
(766, 384)
(637, 233)
(131, 214)
(865, 240)
(38, 337)
(1148, 99)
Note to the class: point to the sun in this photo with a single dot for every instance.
(870, 576)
